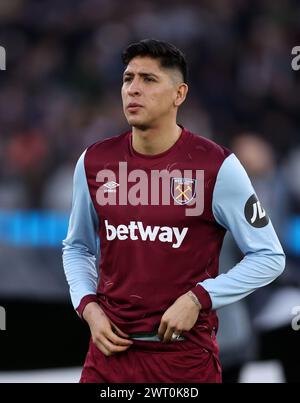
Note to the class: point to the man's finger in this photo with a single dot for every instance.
(161, 330)
(118, 331)
(101, 348)
(115, 339)
(168, 334)
(113, 348)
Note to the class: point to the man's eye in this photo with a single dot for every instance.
(126, 79)
(149, 79)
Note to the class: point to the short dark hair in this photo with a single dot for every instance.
(168, 55)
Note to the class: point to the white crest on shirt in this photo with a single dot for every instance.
(183, 190)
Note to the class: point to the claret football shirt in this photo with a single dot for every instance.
(146, 229)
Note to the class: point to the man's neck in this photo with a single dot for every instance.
(155, 140)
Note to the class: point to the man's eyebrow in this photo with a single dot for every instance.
(129, 73)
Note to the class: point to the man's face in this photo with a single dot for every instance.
(148, 92)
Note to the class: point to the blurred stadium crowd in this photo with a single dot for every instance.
(60, 92)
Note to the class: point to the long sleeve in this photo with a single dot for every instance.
(81, 246)
(236, 207)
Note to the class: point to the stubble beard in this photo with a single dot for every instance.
(143, 126)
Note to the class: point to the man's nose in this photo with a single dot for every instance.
(134, 88)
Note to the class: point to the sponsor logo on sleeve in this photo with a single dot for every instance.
(254, 213)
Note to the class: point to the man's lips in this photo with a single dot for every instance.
(133, 106)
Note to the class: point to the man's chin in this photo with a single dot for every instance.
(143, 128)
(138, 124)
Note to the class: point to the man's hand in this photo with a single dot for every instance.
(105, 334)
(179, 317)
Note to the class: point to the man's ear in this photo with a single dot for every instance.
(181, 94)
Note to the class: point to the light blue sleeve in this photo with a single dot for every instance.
(236, 207)
(81, 246)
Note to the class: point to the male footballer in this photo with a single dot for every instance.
(150, 210)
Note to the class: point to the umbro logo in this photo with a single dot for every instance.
(110, 187)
